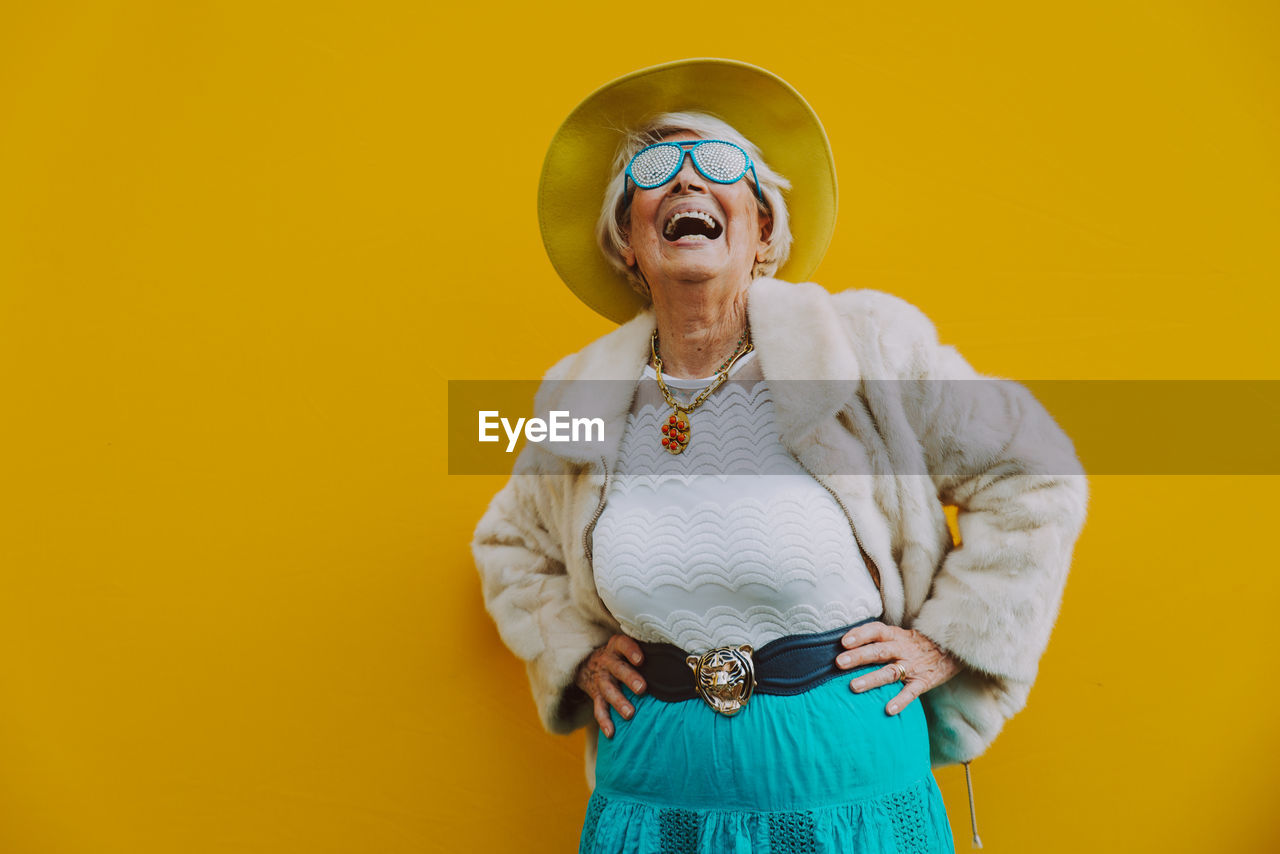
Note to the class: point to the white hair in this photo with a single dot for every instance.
(611, 228)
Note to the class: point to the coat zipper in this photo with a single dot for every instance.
(604, 490)
(871, 564)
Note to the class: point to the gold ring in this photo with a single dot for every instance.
(902, 671)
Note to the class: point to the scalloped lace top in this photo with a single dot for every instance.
(730, 541)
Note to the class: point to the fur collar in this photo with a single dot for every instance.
(798, 335)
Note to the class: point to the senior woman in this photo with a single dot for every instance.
(765, 510)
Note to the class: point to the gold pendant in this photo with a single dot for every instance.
(676, 430)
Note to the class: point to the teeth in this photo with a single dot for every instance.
(705, 217)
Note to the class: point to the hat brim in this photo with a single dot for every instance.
(761, 105)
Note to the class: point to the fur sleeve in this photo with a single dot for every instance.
(526, 590)
(997, 455)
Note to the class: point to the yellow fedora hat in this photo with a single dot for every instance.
(761, 105)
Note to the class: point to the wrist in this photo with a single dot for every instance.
(579, 671)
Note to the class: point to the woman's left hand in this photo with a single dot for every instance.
(926, 664)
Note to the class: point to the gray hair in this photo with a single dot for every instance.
(611, 232)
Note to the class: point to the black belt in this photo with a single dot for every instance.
(727, 677)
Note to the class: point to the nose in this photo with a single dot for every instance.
(688, 179)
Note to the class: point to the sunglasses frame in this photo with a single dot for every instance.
(688, 147)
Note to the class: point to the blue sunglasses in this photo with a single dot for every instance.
(716, 160)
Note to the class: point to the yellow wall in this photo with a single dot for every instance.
(243, 246)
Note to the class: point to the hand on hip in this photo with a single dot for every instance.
(909, 657)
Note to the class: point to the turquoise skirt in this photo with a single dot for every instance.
(823, 771)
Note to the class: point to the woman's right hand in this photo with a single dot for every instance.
(601, 671)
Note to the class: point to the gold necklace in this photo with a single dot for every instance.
(677, 428)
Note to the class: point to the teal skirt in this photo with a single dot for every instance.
(823, 771)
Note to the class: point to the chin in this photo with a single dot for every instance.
(695, 273)
(699, 262)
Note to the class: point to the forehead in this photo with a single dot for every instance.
(680, 136)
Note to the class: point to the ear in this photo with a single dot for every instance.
(629, 255)
(766, 231)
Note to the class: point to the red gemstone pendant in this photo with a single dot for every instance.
(675, 433)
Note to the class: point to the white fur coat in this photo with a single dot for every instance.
(893, 452)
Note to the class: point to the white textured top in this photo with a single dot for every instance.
(730, 541)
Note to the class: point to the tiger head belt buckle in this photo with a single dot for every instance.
(725, 677)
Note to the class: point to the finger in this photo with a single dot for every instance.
(869, 654)
(628, 648)
(609, 690)
(876, 679)
(876, 631)
(601, 711)
(626, 674)
(910, 690)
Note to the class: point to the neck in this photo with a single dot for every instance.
(699, 328)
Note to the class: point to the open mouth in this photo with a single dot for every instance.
(692, 225)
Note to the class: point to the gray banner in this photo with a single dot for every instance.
(1125, 427)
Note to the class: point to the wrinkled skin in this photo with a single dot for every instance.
(927, 665)
(599, 675)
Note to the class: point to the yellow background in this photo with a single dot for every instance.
(243, 246)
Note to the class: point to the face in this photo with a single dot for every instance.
(692, 230)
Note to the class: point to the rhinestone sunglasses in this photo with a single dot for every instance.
(715, 159)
